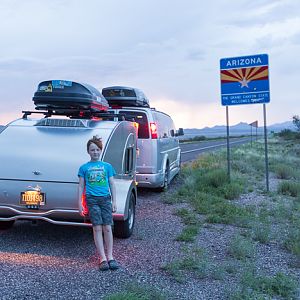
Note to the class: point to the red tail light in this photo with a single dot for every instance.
(136, 126)
(153, 129)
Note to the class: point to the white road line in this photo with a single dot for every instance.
(208, 147)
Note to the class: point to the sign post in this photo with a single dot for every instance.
(245, 80)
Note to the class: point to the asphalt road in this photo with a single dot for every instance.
(190, 151)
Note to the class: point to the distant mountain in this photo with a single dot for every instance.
(238, 129)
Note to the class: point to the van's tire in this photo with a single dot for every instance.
(6, 224)
(165, 186)
(124, 229)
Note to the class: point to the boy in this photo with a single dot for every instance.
(96, 178)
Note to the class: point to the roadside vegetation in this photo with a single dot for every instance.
(234, 232)
(255, 218)
(200, 138)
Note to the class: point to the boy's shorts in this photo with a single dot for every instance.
(100, 210)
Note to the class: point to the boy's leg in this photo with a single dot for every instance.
(98, 239)
(108, 238)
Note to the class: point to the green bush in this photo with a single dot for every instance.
(283, 171)
(262, 232)
(289, 188)
(188, 217)
(188, 233)
(215, 178)
(232, 190)
(241, 248)
(288, 134)
(292, 242)
(281, 285)
(219, 210)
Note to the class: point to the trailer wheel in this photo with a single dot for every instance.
(6, 224)
(124, 229)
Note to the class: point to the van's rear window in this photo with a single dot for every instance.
(141, 119)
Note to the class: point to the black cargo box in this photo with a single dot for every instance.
(63, 94)
(124, 96)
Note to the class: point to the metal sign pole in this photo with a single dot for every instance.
(251, 135)
(228, 148)
(266, 148)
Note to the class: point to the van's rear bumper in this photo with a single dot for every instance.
(150, 180)
(54, 216)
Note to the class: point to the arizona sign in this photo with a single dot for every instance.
(245, 80)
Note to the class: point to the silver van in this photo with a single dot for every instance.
(158, 159)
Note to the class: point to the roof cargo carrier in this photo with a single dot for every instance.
(62, 95)
(125, 96)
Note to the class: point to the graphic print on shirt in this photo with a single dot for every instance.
(96, 176)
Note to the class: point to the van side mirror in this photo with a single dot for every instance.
(172, 132)
(179, 132)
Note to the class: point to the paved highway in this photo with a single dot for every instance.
(190, 151)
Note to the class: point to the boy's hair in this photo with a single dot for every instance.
(96, 140)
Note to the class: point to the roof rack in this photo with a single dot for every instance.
(73, 113)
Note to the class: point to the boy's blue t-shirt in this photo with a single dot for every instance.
(96, 175)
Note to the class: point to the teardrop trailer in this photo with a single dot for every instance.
(40, 157)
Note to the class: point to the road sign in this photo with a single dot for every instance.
(245, 80)
(254, 124)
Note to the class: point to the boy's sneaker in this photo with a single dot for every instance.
(113, 265)
(103, 266)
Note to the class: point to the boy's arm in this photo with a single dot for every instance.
(112, 186)
(80, 193)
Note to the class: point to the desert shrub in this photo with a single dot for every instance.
(261, 232)
(288, 134)
(289, 188)
(283, 171)
(232, 190)
(292, 242)
(215, 178)
(241, 248)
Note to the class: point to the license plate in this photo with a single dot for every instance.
(32, 199)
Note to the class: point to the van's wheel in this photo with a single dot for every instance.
(124, 229)
(6, 224)
(165, 186)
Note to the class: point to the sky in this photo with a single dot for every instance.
(169, 49)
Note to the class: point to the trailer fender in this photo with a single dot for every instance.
(123, 193)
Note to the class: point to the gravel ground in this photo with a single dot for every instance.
(45, 261)
(54, 262)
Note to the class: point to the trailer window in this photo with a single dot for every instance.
(141, 119)
(128, 161)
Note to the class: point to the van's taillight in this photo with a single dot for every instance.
(153, 129)
(136, 126)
